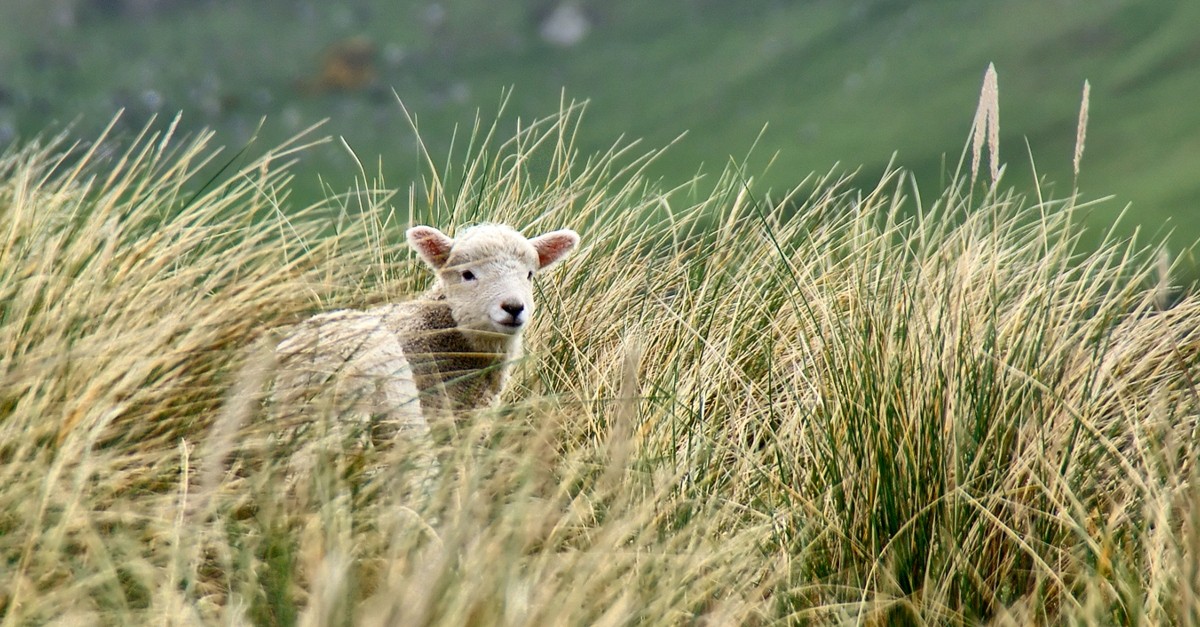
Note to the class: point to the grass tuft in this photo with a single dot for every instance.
(843, 405)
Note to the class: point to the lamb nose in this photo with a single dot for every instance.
(513, 310)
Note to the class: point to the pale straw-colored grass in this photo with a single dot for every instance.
(985, 130)
(1081, 128)
(842, 406)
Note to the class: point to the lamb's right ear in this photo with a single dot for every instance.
(432, 244)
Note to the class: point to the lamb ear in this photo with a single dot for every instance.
(553, 246)
(432, 244)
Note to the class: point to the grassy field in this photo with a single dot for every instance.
(837, 85)
(884, 407)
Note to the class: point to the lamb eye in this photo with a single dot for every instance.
(530, 277)
(468, 275)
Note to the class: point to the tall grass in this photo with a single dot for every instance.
(868, 407)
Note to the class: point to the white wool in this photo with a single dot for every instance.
(358, 359)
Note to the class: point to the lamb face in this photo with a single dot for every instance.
(486, 274)
(489, 284)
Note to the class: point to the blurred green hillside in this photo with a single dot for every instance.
(835, 84)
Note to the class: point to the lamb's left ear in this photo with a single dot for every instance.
(433, 245)
(553, 246)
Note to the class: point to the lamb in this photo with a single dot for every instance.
(405, 366)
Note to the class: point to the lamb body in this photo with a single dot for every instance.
(401, 366)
